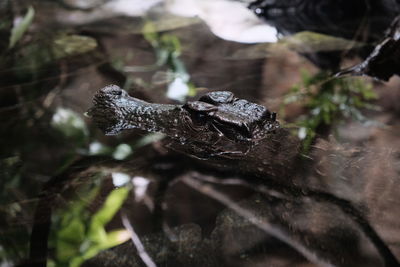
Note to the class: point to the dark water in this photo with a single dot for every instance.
(71, 196)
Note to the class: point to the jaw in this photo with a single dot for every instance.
(106, 111)
(203, 136)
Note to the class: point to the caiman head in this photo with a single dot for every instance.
(108, 109)
(218, 124)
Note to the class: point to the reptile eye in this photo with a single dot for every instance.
(111, 90)
(116, 92)
(198, 118)
(218, 97)
(198, 106)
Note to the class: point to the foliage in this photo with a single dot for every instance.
(32, 152)
(306, 42)
(168, 50)
(20, 28)
(328, 101)
(65, 45)
(79, 235)
(301, 42)
(14, 241)
(34, 56)
(70, 124)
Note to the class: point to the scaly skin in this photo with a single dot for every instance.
(221, 132)
(114, 110)
(232, 134)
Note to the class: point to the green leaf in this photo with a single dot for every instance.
(71, 124)
(112, 204)
(112, 239)
(71, 45)
(80, 237)
(328, 101)
(148, 139)
(69, 239)
(116, 237)
(122, 151)
(171, 44)
(150, 34)
(20, 28)
(192, 89)
(74, 232)
(307, 41)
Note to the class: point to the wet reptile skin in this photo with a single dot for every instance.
(218, 127)
(333, 17)
(217, 113)
(237, 136)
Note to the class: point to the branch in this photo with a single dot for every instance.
(137, 243)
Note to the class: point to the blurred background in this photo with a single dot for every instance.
(69, 194)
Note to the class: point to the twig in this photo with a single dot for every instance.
(344, 205)
(240, 182)
(137, 243)
(264, 225)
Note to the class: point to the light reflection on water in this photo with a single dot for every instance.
(169, 52)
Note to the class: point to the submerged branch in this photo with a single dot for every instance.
(137, 243)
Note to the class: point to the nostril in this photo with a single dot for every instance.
(88, 113)
(116, 92)
(273, 116)
(111, 90)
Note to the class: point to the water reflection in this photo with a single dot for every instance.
(66, 186)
